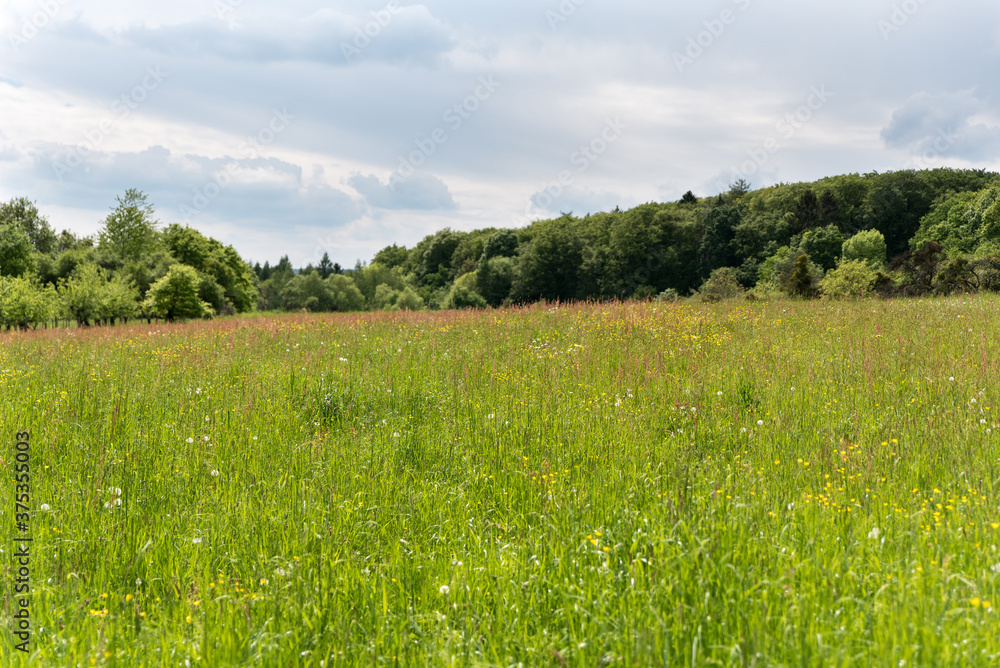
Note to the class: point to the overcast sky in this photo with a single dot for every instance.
(305, 126)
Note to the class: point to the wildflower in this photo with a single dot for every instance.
(719, 393)
(128, 597)
(196, 540)
(215, 473)
(118, 502)
(205, 438)
(760, 423)
(44, 506)
(444, 590)
(975, 602)
(118, 491)
(138, 582)
(190, 440)
(874, 533)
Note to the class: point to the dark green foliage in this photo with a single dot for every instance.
(462, 297)
(500, 244)
(689, 198)
(894, 206)
(435, 254)
(823, 245)
(807, 212)
(222, 264)
(390, 256)
(918, 269)
(325, 267)
(494, 279)
(717, 242)
(801, 282)
(549, 266)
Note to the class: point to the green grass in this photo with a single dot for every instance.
(767, 484)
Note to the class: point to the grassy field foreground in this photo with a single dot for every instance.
(768, 484)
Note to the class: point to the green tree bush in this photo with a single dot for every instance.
(176, 295)
(851, 279)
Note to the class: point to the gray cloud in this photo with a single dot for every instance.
(944, 125)
(259, 192)
(328, 36)
(420, 191)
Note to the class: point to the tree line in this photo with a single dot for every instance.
(895, 233)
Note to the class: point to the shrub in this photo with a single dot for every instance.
(802, 281)
(462, 297)
(723, 283)
(868, 246)
(851, 279)
(176, 295)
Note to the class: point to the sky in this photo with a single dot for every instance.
(305, 127)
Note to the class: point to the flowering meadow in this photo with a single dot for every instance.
(675, 484)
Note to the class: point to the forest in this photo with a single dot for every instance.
(901, 233)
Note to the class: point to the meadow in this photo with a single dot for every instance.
(775, 483)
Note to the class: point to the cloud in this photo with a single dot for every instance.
(420, 191)
(942, 125)
(399, 34)
(264, 193)
(578, 200)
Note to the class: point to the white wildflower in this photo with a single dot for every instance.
(444, 589)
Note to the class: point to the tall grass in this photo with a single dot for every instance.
(767, 484)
